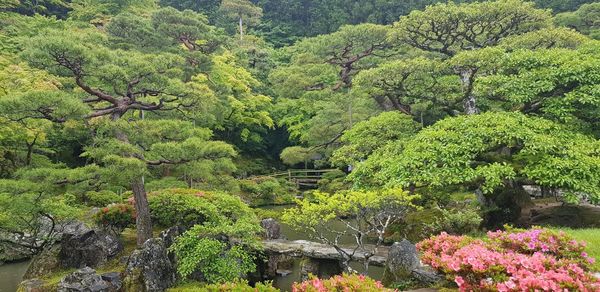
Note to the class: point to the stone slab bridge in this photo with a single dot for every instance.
(323, 260)
(319, 251)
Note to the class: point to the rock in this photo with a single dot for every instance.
(32, 285)
(308, 266)
(426, 275)
(113, 279)
(79, 247)
(277, 262)
(402, 260)
(283, 273)
(84, 280)
(44, 263)
(91, 248)
(169, 235)
(149, 268)
(272, 228)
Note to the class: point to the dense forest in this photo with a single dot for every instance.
(162, 142)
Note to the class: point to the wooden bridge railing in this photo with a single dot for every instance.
(301, 177)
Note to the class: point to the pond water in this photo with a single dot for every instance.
(11, 275)
(285, 282)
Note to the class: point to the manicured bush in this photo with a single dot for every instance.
(101, 198)
(513, 260)
(115, 217)
(340, 283)
(183, 207)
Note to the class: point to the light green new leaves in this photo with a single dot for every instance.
(486, 151)
(368, 136)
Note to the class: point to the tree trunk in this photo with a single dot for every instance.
(143, 221)
(466, 77)
(241, 29)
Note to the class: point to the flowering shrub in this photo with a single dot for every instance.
(340, 283)
(529, 260)
(115, 217)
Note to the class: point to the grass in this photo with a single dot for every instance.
(589, 235)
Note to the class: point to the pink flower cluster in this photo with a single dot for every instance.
(543, 240)
(534, 260)
(345, 283)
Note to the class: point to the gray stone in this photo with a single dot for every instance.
(283, 273)
(272, 228)
(113, 279)
(32, 285)
(277, 262)
(149, 268)
(309, 266)
(426, 275)
(79, 247)
(91, 248)
(84, 280)
(403, 259)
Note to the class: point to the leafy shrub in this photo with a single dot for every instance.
(180, 207)
(115, 217)
(101, 198)
(340, 283)
(219, 243)
(333, 181)
(235, 286)
(514, 260)
(267, 191)
(455, 221)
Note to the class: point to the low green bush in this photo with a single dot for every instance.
(101, 198)
(180, 207)
(223, 235)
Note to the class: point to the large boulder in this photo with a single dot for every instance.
(79, 246)
(84, 280)
(403, 263)
(272, 228)
(149, 268)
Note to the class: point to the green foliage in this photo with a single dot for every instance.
(333, 181)
(267, 191)
(101, 198)
(457, 221)
(180, 207)
(449, 28)
(218, 244)
(295, 155)
(488, 152)
(236, 286)
(363, 214)
(584, 19)
(116, 217)
(367, 136)
(546, 38)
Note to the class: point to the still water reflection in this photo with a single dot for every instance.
(11, 275)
